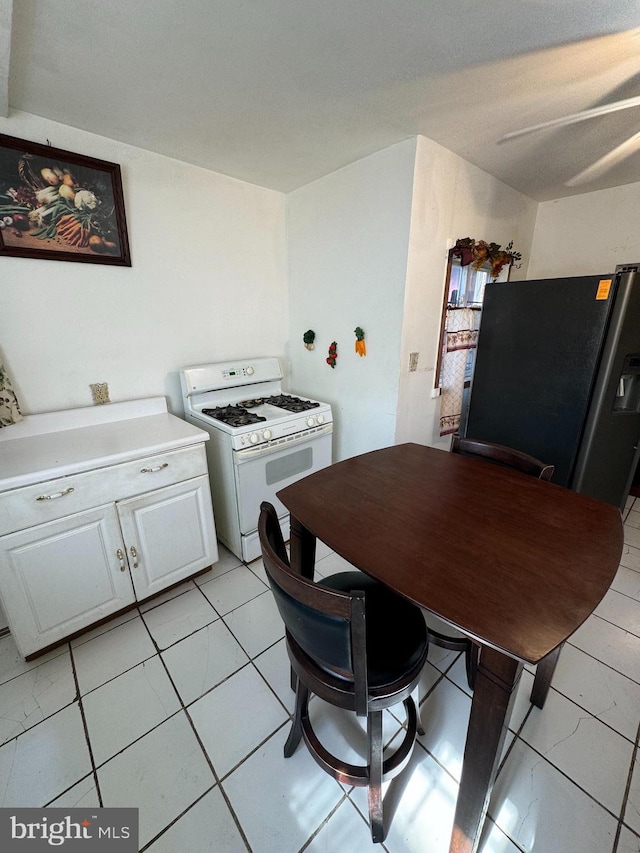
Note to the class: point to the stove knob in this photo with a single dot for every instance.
(311, 421)
(267, 434)
(254, 438)
(320, 419)
(249, 371)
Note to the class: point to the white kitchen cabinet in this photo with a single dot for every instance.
(110, 507)
(61, 576)
(168, 534)
(4, 624)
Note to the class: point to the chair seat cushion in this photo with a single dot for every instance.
(396, 630)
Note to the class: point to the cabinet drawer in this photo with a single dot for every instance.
(22, 508)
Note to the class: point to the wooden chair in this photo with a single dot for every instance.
(498, 454)
(355, 644)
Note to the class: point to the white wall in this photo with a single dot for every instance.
(368, 246)
(208, 283)
(452, 199)
(348, 237)
(587, 234)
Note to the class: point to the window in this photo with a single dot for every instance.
(466, 286)
(471, 265)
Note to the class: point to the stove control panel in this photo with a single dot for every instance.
(255, 443)
(255, 437)
(287, 433)
(237, 372)
(315, 420)
(202, 378)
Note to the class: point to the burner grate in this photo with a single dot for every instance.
(250, 404)
(234, 416)
(291, 404)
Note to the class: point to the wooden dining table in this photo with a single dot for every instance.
(515, 563)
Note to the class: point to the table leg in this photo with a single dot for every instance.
(303, 549)
(543, 676)
(496, 682)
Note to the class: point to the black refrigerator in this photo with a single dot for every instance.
(557, 375)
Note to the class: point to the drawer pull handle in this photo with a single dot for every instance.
(157, 468)
(134, 554)
(120, 556)
(55, 495)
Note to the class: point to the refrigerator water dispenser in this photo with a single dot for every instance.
(627, 397)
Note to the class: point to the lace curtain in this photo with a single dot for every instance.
(460, 336)
(9, 407)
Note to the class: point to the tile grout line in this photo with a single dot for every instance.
(625, 796)
(181, 815)
(566, 776)
(34, 662)
(604, 663)
(263, 677)
(124, 671)
(326, 820)
(183, 708)
(85, 727)
(586, 710)
(136, 740)
(615, 624)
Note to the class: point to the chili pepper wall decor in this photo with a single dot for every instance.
(309, 338)
(333, 355)
(361, 347)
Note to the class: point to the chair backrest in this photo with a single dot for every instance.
(273, 533)
(320, 620)
(502, 455)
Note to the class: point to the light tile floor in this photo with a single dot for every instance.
(181, 709)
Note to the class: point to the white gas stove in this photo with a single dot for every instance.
(261, 441)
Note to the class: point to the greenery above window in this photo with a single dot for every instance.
(481, 253)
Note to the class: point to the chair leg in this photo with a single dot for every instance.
(471, 657)
(543, 676)
(459, 644)
(302, 701)
(419, 726)
(294, 680)
(374, 737)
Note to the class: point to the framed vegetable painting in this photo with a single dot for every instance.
(60, 206)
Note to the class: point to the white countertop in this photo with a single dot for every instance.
(57, 444)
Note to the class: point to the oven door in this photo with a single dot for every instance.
(260, 473)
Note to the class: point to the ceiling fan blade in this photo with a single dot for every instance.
(619, 153)
(605, 109)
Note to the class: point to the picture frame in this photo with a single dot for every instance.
(60, 206)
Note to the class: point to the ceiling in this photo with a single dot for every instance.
(281, 92)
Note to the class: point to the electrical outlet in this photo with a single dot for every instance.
(100, 393)
(413, 361)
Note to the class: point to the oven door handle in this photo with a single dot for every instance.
(248, 453)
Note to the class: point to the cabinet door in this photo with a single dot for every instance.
(169, 534)
(60, 577)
